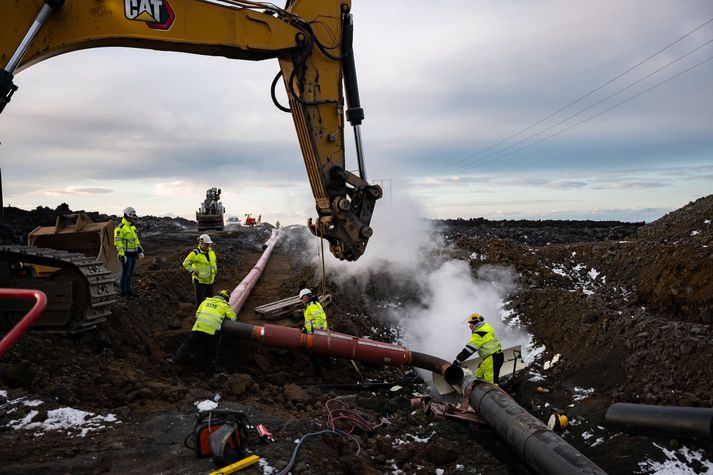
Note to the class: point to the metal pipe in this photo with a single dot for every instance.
(34, 313)
(543, 450)
(338, 345)
(672, 421)
(240, 294)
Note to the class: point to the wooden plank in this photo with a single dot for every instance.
(289, 307)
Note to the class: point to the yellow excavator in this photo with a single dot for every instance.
(311, 39)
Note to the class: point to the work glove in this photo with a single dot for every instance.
(122, 259)
(141, 255)
(455, 363)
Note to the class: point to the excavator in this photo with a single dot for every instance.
(311, 40)
(210, 214)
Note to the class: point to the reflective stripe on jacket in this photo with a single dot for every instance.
(210, 315)
(203, 266)
(484, 340)
(126, 238)
(315, 318)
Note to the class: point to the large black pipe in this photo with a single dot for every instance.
(543, 450)
(539, 447)
(671, 421)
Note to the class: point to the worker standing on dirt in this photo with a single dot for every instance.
(487, 344)
(315, 319)
(126, 241)
(203, 265)
(209, 320)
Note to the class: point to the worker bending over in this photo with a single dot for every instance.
(202, 263)
(487, 344)
(206, 331)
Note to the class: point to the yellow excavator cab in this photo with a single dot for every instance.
(77, 232)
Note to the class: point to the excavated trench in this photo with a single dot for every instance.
(626, 341)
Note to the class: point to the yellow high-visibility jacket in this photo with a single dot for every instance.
(483, 340)
(210, 315)
(203, 266)
(315, 318)
(126, 238)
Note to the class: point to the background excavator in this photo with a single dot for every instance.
(312, 41)
(210, 213)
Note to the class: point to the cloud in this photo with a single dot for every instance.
(437, 110)
(78, 190)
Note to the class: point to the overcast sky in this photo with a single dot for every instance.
(443, 85)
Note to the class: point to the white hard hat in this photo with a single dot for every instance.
(304, 292)
(205, 238)
(130, 212)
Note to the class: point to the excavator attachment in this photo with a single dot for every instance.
(75, 263)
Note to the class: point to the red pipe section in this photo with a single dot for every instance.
(338, 345)
(240, 294)
(34, 313)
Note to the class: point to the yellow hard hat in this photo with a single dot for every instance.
(225, 294)
(475, 318)
(557, 420)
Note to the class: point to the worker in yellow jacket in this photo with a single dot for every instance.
(315, 319)
(483, 340)
(206, 331)
(126, 241)
(202, 263)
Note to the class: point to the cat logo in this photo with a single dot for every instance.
(157, 14)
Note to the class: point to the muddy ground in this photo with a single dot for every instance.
(636, 330)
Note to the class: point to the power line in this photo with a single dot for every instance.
(438, 170)
(566, 119)
(603, 111)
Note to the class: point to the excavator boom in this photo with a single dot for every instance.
(310, 38)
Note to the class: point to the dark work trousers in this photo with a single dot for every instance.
(127, 271)
(203, 291)
(211, 344)
(317, 362)
(498, 360)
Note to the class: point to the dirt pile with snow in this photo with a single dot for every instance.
(625, 317)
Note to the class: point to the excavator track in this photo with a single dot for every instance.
(80, 292)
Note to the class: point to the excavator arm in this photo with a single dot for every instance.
(310, 38)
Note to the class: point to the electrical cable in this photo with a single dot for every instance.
(296, 450)
(484, 160)
(604, 111)
(651, 56)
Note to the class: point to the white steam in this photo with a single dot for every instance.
(407, 248)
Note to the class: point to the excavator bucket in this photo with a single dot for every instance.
(77, 232)
(74, 263)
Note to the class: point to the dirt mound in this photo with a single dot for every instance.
(598, 304)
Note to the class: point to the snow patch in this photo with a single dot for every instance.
(683, 461)
(65, 418)
(205, 405)
(581, 393)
